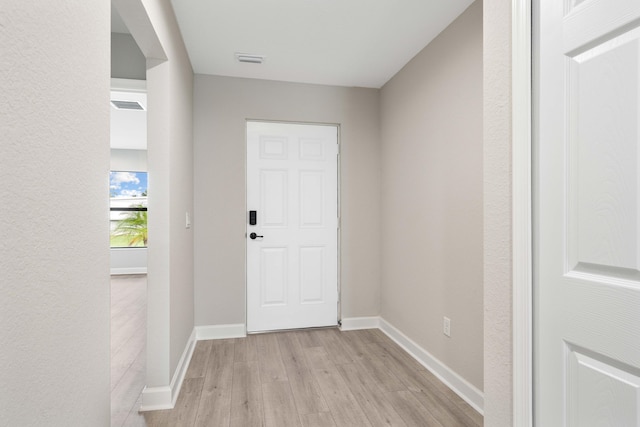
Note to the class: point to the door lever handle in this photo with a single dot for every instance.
(253, 236)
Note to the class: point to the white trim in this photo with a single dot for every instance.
(355, 323)
(217, 332)
(129, 85)
(455, 382)
(156, 398)
(164, 397)
(522, 210)
(181, 369)
(129, 270)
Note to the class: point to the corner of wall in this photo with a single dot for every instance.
(498, 344)
(164, 397)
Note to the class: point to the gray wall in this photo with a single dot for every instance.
(170, 298)
(54, 257)
(128, 160)
(221, 107)
(127, 61)
(431, 115)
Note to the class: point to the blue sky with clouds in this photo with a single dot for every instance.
(127, 184)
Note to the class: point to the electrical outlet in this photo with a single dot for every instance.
(446, 326)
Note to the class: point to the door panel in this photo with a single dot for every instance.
(604, 137)
(602, 392)
(312, 193)
(274, 208)
(587, 281)
(311, 275)
(292, 184)
(273, 280)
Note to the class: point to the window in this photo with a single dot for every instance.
(128, 206)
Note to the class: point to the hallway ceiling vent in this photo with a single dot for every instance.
(127, 105)
(249, 58)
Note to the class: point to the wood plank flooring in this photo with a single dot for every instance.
(128, 343)
(310, 378)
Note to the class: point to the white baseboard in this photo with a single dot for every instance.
(181, 369)
(156, 398)
(355, 323)
(455, 382)
(217, 332)
(131, 270)
(164, 397)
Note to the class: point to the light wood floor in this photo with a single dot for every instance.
(128, 343)
(310, 378)
(320, 377)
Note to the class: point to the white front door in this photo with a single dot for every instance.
(587, 274)
(292, 250)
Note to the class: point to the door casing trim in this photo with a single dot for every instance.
(522, 237)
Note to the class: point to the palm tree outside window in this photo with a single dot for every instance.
(128, 203)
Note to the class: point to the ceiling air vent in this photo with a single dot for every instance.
(251, 59)
(127, 105)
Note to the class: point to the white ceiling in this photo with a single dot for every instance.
(334, 42)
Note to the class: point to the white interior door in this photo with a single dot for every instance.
(587, 296)
(292, 266)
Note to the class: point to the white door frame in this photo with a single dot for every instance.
(339, 195)
(522, 237)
